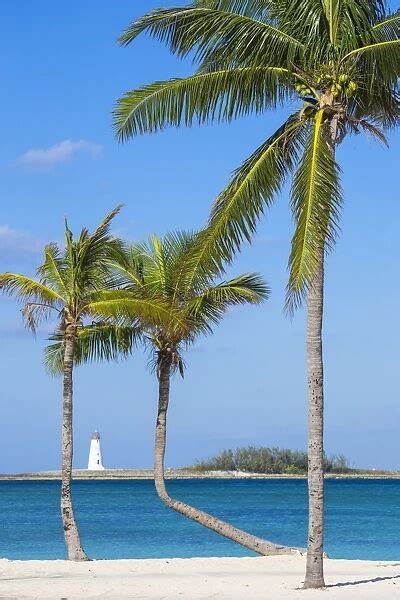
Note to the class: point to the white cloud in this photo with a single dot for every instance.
(45, 158)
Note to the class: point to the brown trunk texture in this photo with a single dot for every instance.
(315, 566)
(71, 533)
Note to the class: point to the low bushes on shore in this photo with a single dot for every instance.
(253, 459)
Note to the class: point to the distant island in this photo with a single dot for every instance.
(276, 461)
(248, 462)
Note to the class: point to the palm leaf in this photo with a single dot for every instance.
(28, 289)
(254, 185)
(53, 270)
(151, 311)
(206, 29)
(248, 288)
(93, 252)
(105, 341)
(213, 96)
(356, 125)
(53, 357)
(94, 343)
(379, 60)
(316, 202)
(209, 307)
(35, 313)
(332, 12)
(256, 9)
(389, 26)
(128, 268)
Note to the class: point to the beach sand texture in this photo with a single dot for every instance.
(196, 578)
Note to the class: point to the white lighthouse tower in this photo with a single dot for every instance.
(95, 463)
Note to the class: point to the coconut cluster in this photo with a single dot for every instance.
(341, 85)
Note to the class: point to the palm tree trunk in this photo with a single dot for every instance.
(315, 566)
(71, 534)
(247, 540)
(315, 548)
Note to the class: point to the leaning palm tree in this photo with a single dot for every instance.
(183, 304)
(68, 285)
(339, 61)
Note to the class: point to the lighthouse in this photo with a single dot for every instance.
(95, 463)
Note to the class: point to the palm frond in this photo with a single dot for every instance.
(160, 257)
(94, 343)
(27, 288)
(53, 356)
(332, 13)
(128, 267)
(256, 9)
(54, 270)
(353, 21)
(316, 203)
(249, 288)
(96, 248)
(176, 247)
(106, 341)
(356, 125)
(389, 26)
(187, 278)
(254, 185)
(205, 29)
(377, 102)
(151, 311)
(35, 313)
(209, 307)
(205, 97)
(90, 258)
(306, 21)
(379, 59)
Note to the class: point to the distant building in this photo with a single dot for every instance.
(95, 462)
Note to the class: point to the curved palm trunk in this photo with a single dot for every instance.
(247, 540)
(315, 567)
(71, 534)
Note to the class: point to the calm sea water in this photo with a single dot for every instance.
(125, 519)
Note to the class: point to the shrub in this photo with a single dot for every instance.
(252, 459)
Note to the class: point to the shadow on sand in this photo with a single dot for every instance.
(360, 581)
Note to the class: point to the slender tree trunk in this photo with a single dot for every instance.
(315, 566)
(315, 548)
(71, 534)
(247, 540)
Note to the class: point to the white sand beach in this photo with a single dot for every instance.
(196, 578)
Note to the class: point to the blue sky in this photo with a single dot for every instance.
(61, 73)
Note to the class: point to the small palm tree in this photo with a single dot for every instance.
(183, 302)
(68, 285)
(339, 61)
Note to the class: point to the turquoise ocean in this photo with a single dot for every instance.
(125, 519)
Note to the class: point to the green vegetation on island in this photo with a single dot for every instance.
(274, 461)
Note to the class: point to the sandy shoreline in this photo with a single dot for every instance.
(196, 578)
(182, 474)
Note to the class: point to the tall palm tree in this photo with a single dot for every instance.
(184, 302)
(69, 282)
(339, 61)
